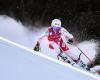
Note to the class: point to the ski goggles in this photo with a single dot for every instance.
(56, 28)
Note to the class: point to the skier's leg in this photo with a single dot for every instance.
(71, 55)
(75, 59)
(66, 50)
(58, 51)
(62, 47)
(55, 47)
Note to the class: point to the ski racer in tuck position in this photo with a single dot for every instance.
(54, 37)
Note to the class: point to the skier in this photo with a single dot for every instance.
(54, 36)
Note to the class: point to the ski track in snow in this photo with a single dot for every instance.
(13, 30)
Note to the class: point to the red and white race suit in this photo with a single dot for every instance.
(56, 41)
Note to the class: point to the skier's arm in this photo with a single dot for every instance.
(42, 37)
(37, 45)
(69, 36)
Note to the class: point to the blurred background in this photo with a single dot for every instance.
(80, 17)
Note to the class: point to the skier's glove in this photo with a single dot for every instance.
(37, 47)
(70, 41)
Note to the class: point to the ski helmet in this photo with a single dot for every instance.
(56, 23)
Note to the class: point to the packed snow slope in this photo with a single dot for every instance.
(18, 64)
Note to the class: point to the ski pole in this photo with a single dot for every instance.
(85, 55)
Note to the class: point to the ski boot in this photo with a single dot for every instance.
(63, 57)
(81, 64)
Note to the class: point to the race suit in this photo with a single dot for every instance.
(56, 41)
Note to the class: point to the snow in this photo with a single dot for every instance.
(95, 68)
(18, 64)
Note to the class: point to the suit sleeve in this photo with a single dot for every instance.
(66, 33)
(42, 37)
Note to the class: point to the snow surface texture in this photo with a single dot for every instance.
(19, 64)
(25, 66)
